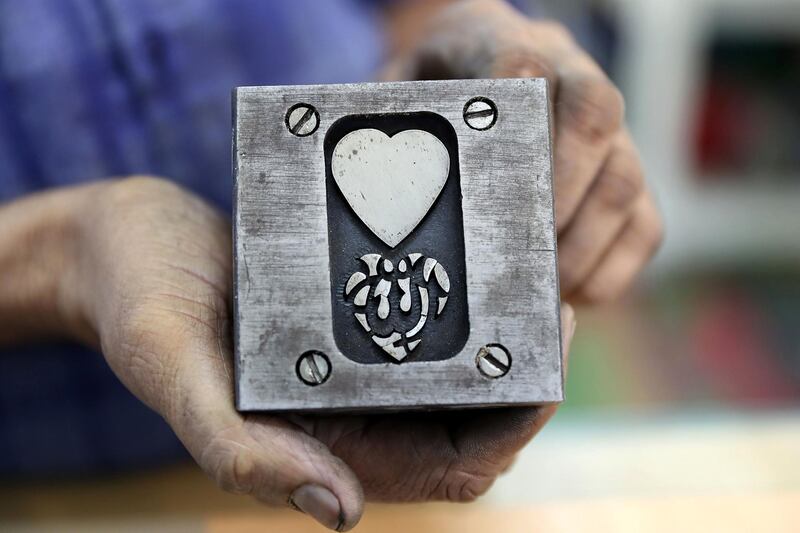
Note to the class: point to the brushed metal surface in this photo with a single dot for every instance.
(282, 296)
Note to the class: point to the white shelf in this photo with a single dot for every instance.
(663, 49)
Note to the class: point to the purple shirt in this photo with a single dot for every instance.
(97, 88)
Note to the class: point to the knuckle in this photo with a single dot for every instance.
(230, 466)
(594, 106)
(140, 181)
(606, 288)
(128, 202)
(465, 487)
(648, 228)
(554, 30)
(596, 294)
(240, 474)
(519, 61)
(621, 181)
(133, 188)
(462, 480)
(140, 199)
(655, 232)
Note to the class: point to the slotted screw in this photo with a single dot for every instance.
(313, 368)
(480, 113)
(302, 119)
(493, 361)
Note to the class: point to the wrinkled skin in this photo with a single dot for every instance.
(153, 285)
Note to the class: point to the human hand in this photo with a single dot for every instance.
(607, 222)
(153, 281)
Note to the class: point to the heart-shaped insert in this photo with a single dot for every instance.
(390, 182)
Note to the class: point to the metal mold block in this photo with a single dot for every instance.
(395, 246)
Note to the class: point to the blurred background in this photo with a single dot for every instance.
(711, 89)
(682, 400)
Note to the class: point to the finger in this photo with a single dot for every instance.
(263, 456)
(605, 209)
(635, 246)
(588, 115)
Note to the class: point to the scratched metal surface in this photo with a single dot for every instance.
(282, 282)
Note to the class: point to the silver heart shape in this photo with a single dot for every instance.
(390, 182)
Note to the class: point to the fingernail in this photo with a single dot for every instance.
(319, 503)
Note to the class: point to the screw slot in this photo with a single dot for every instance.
(313, 368)
(480, 113)
(493, 361)
(302, 119)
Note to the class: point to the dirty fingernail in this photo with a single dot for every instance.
(319, 503)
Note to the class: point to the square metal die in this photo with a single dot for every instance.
(300, 228)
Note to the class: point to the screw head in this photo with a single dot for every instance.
(480, 113)
(302, 119)
(313, 368)
(493, 361)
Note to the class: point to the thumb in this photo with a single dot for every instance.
(266, 457)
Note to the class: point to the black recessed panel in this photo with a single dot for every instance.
(439, 237)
